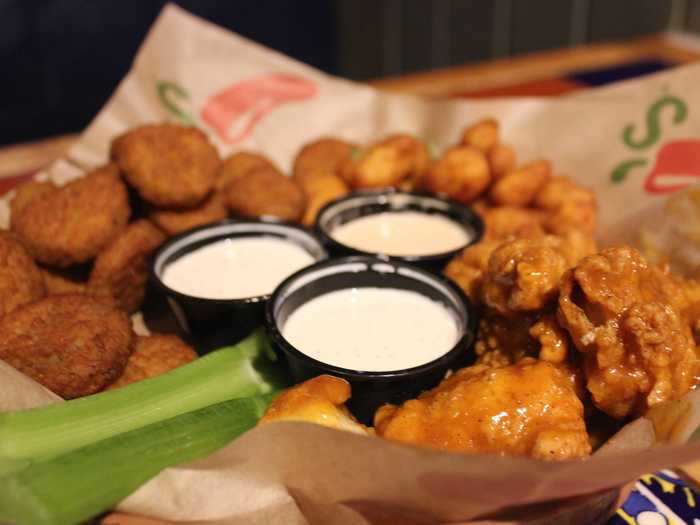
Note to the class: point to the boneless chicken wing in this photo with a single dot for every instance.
(319, 400)
(528, 409)
(627, 319)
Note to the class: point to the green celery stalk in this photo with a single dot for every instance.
(85, 482)
(243, 370)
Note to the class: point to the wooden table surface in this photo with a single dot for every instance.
(534, 75)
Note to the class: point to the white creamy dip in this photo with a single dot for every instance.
(372, 329)
(402, 233)
(235, 268)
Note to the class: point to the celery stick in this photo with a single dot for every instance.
(243, 370)
(80, 484)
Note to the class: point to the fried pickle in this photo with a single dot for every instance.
(319, 192)
(169, 165)
(27, 192)
(625, 317)
(264, 192)
(154, 355)
(322, 157)
(319, 400)
(61, 281)
(74, 345)
(73, 223)
(482, 135)
(20, 279)
(121, 269)
(177, 220)
(526, 409)
(239, 164)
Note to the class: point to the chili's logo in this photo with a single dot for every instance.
(233, 112)
(677, 163)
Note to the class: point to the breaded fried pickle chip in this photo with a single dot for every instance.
(20, 280)
(74, 345)
(239, 164)
(153, 356)
(63, 281)
(121, 270)
(27, 192)
(175, 220)
(73, 223)
(169, 165)
(264, 192)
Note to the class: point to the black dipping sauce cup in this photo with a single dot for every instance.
(370, 390)
(372, 202)
(213, 323)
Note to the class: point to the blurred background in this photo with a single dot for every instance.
(63, 58)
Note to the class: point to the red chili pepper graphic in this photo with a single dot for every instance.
(235, 111)
(677, 166)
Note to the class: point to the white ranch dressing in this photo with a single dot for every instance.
(372, 329)
(402, 233)
(236, 268)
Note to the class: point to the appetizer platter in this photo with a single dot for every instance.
(451, 307)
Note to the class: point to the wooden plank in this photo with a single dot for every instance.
(541, 66)
(531, 31)
(616, 19)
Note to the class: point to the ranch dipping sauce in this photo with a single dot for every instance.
(404, 233)
(235, 268)
(372, 329)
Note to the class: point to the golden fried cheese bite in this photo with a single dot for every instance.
(121, 269)
(20, 279)
(389, 162)
(568, 206)
(502, 222)
(168, 164)
(462, 174)
(154, 355)
(265, 192)
(519, 187)
(73, 223)
(319, 191)
(319, 400)
(74, 345)
(526, 409)
(625, 317)
(482, 135)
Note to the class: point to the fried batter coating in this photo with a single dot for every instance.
(264, 192)
(324, 156)
(27, 192)
(169, 165)
(320, 191)
(176, 220)
(462, 173)
(502, 222)
(569, 206)
(154, 355)
(319, 400)
(624, 316)
(73, 223)
(467, 268)
(504, 340)
(501, 159)
(20, 279)
(239, 164)
(523, 275)
(59, 281)
(483, 135)
(552, 338)
(121, 269)
(74, 345)
(519, 187)
(389, 163)
(526, 409)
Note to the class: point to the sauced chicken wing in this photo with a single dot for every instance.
(319, 400)
(529, 409)
(626, 317)
(467, 268)
(523, 275)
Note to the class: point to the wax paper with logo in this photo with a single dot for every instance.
(634, 143)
